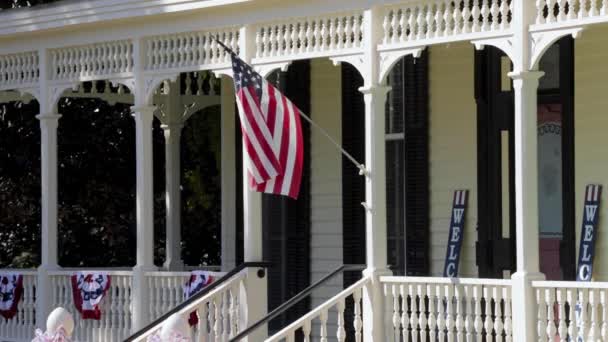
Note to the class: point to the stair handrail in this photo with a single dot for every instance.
(296, 299)
(300, 322)
(204, 292)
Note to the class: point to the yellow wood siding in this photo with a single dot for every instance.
(590, 124)
(453, 150)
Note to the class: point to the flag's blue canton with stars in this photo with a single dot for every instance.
(272, 132)
(245, 76)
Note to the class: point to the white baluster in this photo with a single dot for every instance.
(542, 314)
(457, 18)
(431, 292)
(414, 313)
(447, 18)
(405, 319)
(466, 18)
(388, 25)
(422, 321)
(485, 14)
(234, 309)
(583, 302)
(459, 298)
(477, 295)
(358, 321)
(226, 316)
(494, 10)
(562, 327)
(420, 29)
(498, 323)
(508, 314)
(392, 294)
(604, 8)
(593, 306)
(593, 8)
(550, 298)
(441, 323)
(582, 10)
(323, 331)
(449, 317)
(341, 332)
(604, 303)
(306, 330)
(468, 322)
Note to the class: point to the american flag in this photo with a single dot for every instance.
(272, 133)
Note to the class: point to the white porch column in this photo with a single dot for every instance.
(173, 259)
(525, 86)
(374, 95)
(144, 116)
(375, 212)
(255, 290)
(48, 157)
(228, 178)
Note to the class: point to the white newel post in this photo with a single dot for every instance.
(255, 288)
(525, 87)
(228, 178)
(48, 134)
(144, 116)
(374, 95)
(173, 259)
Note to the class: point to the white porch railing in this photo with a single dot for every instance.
(115, 323)
(22, 326)
(459, 309)
(572, 311)
(218, 311)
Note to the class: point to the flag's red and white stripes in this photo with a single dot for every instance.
(272, 137)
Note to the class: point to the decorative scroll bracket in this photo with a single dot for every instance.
(542, 40)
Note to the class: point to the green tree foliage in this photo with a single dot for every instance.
(201, 184)
(7, 4)
(19, 185)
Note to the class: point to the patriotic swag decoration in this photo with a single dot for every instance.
(198, 281)
(452, 257)
(272, 132)
(88, 290)
(11, 291)
(588, 233)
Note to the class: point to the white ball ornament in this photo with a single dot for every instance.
(60, 318)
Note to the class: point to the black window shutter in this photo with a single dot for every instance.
(286, 223)
(353, 185)
(416, 164)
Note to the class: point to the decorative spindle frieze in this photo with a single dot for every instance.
(561, 11)
(416, 21)
(190, 50)
(320, 36)
(18, 70)
(94, 61)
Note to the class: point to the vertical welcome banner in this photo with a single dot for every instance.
(452, 258)
(588, 232)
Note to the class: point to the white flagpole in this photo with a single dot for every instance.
(361, 167)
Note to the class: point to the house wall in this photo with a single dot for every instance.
(326, 179)
(453, 150)
(590, 122)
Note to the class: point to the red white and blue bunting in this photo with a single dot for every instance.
(198, 281)
(11, 291)
(88, 290)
